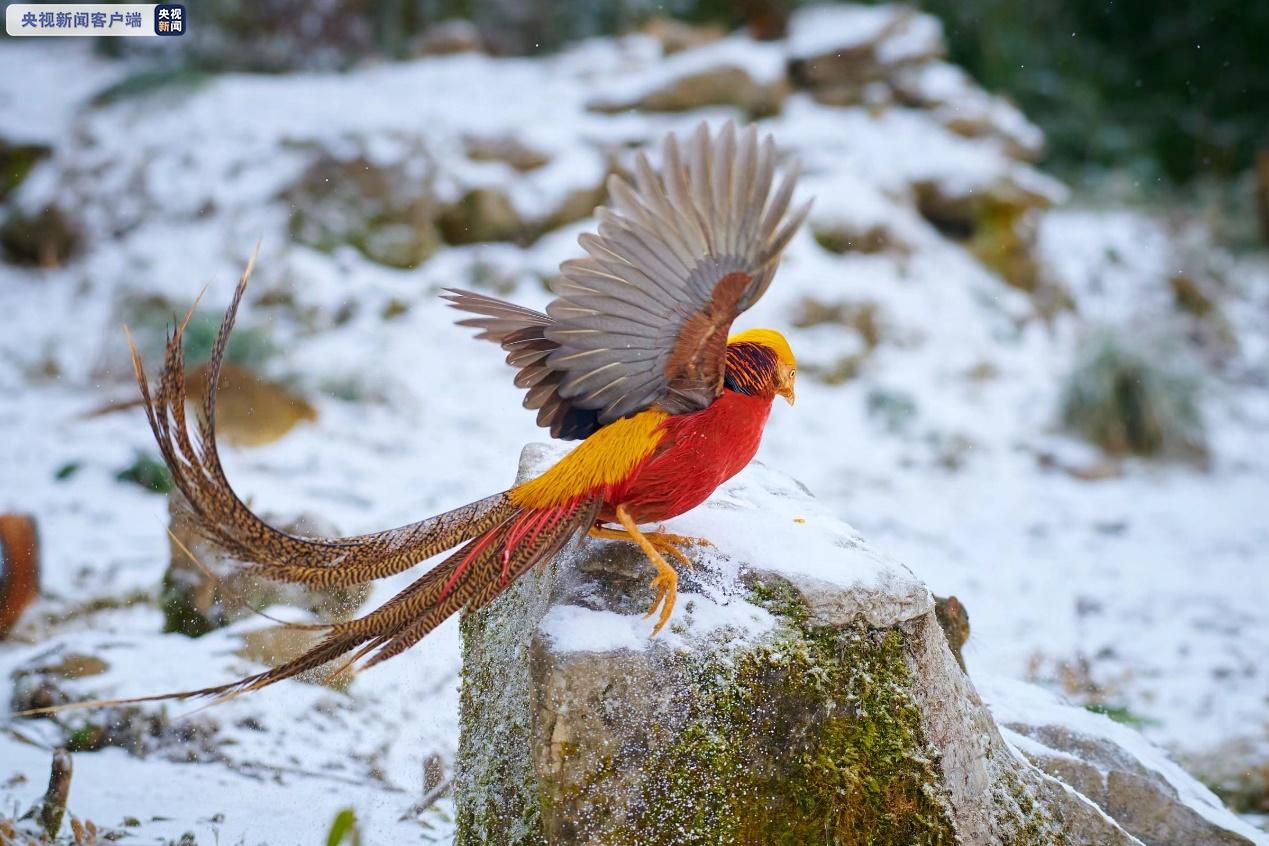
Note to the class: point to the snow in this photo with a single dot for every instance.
(1145, 590)
(762, 61)
(48, 85)
(821, 30)
(572, 628)
(1012, 702)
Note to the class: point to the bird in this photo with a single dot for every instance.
(634, 358)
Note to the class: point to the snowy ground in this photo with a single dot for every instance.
(1146, 592)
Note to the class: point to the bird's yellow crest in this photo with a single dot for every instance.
(768, 338)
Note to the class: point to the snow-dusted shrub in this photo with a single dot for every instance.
(1131, 392)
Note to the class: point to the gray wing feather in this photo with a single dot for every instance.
(604, 348)
(661, 248)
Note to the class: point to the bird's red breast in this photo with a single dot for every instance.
(657, 465)
(699, 451)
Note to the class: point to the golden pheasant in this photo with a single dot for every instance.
(632, 357)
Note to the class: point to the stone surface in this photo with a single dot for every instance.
(729, 72)
(1115, 767)
(838, 52)
(387, 212)
(804, 687)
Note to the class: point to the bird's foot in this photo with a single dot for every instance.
(656, 546)
(662, 541)
(666, 581)
(673, 544)
(666, 584)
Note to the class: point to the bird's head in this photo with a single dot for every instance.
(760, 361)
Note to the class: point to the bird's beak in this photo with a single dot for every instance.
(786, 391)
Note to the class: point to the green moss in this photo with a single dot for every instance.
(148, 472)
(181, 613)
(812, 737)
(497, 798)
(16, 163)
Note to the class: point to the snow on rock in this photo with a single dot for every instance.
(790, 634)
(959, 104)
(1111, 763)
(734, 71)
(843, 54)
(898, 32)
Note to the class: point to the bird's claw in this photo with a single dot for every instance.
(666, 584)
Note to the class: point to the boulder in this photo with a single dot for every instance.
(958, 103)
(483, 214)
(1148, 795)
(997, 219)
(803, 692)
(504, 148)
(838, 52)
(445, 38)
(675, 36)
(734, 71)
(47, 238)
(388, 212)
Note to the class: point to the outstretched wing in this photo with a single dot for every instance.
(521, 332)
(643, 320)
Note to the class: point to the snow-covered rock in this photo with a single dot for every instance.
(838, 51)
(804, 685)
(735, 71)
(960, 105)
(1112, 764)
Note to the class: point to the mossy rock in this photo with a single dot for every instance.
(47, 238)
(805, 701)
(386, 212)
(16, 162)
(483, 214)
(997, 223)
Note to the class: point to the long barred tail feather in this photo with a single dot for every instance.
(497, 541)
(225, 520)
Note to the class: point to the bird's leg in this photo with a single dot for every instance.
(664, 543)
(662, 536)
(666, 580)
